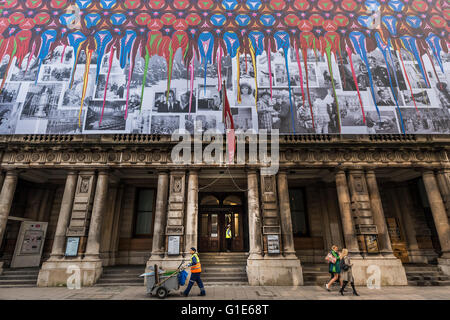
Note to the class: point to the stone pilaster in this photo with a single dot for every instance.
(175, 218)
(269, 209)
(191, 212)
(271, 268)
(440, 218)
(57, 272)
(254, 215)
(82, 208)
(285, 215)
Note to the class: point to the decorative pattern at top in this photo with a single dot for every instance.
(208, 29)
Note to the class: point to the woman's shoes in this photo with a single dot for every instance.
(327, 287)
(341, 292)
(355, 293)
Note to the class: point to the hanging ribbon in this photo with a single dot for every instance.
(219, 67)
(407, 80)
(111, 56)
(85, 81)
(384, 48)
(358, 40)
(297, 55)
(252, 54)
(191, 69)
(349, 53)
(269, 62)
(144, 80)
(282, 39)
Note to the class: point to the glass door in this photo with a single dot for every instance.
(209, 232)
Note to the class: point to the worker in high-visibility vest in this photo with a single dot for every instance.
(196, 270)
(229, 237)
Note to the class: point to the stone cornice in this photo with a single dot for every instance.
(152, 151)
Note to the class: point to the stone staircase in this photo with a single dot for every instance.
(425, 275)
(126, 275)
(315, 274)
(19, 278)
(224, 268)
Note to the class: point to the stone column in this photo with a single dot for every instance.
(443, 178)
(64, 215)
(404, 210)
(254, 217)
(160, 214)
(94, 237)
(6, 199)
(438, 210)
(192, 211)
(384, 241)
(346, 214)
(285, 215)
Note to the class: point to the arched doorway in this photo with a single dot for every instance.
(216, 210)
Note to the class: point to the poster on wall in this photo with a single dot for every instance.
(151, 67)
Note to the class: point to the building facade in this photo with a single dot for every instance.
(385, 198)
(92, 91)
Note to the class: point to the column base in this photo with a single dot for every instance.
(417, 256)
(166, 263)
(274, 271)
(391, 271)
(444, 265)
(61, 272)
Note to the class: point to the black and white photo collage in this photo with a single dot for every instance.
(44, 99)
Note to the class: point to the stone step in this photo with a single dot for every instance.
(121, 281)
(221, 280)
(31, 282)
(225, 283)
(15, 276)
(214, 269)
(223, 262)
(223, 275)
(113, 284)
(123, 272)
(20, 271)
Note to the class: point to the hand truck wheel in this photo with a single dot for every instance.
(161, 292)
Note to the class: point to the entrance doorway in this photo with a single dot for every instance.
(216, 211)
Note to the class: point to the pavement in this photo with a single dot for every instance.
(228, 293)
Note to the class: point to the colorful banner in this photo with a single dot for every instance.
(153, 66)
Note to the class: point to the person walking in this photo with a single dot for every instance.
(229, 237)
(196, 270)
(346, 272)
(334, 266)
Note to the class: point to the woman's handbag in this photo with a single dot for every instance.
(344, 266)
(330, 258)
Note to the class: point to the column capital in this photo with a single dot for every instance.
(12, 172)
(426, 172)
(72, 172)
(104, 172)
(370, 172)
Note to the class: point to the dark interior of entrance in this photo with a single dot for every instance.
(216, 211)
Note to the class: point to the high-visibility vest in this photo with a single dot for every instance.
(228, 233)
(196, 268)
